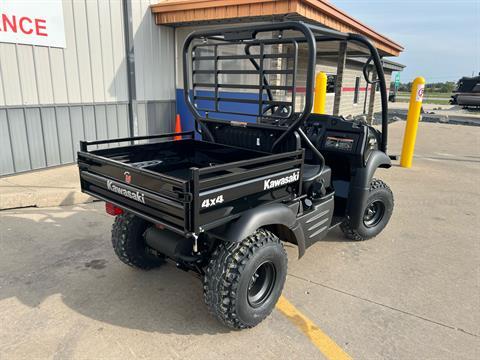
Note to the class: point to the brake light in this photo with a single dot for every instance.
(112, 209)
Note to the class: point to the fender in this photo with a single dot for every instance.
(270, 214)
(360, 185)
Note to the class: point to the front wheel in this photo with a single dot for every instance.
(376, 213)
(244, 280)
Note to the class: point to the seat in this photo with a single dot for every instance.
(310, 171)
(315, 179)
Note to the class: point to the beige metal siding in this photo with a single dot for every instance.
(352, 70)
(118, 89)
(154, 55)
(327, 66)
(51, 98)
(90, 68)
(42, 61)
(10, 75)
(347, 106)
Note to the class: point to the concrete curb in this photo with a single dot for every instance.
(43, 199)
(56, 186)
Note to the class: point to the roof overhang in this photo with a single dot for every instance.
(191, 12)
(387, 64)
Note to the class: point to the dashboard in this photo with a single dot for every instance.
(336, 137)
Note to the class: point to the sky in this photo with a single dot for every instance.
(441, 37)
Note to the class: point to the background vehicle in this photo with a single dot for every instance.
(260, 173)
(467, 93)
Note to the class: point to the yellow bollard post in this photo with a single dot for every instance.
(320, 93)
(413, 117)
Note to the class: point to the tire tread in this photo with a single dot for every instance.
(223, 272)
(346, 226)
(125, 233)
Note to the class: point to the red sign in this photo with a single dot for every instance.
(24, 24)
(38, 22)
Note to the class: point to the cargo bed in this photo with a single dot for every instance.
(186, 185)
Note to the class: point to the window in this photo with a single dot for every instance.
(476, 88)
(331, 79)
(357, 90)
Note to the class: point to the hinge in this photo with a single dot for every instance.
(184, 196)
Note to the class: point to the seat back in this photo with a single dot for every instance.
(253, 138)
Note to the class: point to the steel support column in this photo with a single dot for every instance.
(342, 58)
(371, 100)
(130, 62)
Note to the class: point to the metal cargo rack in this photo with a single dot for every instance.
(175, 202)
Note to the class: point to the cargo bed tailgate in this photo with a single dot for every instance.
(161, 199)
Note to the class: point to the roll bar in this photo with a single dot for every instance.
(381, 80)
(247, 35)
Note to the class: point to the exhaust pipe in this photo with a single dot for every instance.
(169, 243)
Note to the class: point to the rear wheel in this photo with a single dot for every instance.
(244, 280)
(376, 214)
(129, 243)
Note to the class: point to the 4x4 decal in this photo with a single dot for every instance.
(212, 201)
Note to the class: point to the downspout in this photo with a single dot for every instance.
(130, 62)
(175, 75)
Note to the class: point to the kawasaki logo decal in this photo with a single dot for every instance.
(134, 195)
(271, 184)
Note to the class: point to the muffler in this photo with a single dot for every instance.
(170, 244)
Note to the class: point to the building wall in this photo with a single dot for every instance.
(154, 71)
(347, 106)
(352, 71)
(51, 98)
(328, 66)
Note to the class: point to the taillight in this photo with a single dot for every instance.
(112, 209)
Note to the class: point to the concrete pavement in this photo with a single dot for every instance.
(426, 107)
(451, 114)
(56, 186)
(411, 293)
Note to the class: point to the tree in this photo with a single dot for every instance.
(438, 87)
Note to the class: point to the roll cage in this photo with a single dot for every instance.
(207, 107)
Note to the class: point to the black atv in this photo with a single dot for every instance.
(256, 172)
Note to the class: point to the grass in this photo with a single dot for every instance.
(439, 98)
(425, 101)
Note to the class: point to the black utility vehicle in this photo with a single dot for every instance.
(467, 92)
(259, 170)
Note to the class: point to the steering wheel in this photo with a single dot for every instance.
(314, 133)
(366, 72)
(282, 114)
(283, 110)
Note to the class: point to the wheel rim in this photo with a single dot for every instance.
(373, 213)
(261, 284)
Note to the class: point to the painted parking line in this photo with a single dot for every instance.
(322, 341)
